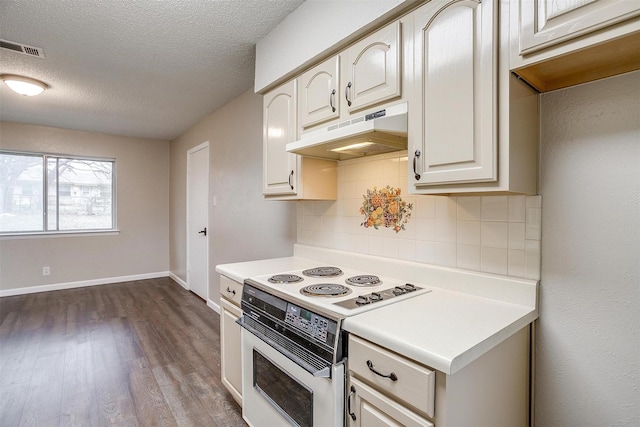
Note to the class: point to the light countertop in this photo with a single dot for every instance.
(442, 329)
(239, 271)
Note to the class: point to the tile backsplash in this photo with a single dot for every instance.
(493, 234)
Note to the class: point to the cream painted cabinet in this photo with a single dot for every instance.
(455, 53)
(318, 99)
(562, 43)
(280, 168)
(231, 367)
(369, 408)
(472, 127)
(385, 388)
(364, 75)
(287, 176)
(544, 23)
(371, 69)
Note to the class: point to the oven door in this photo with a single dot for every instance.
(278, 392)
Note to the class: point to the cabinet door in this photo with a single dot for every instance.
(453, 125)
(318, 98)
(546, 23)
(230, 349)
(372, 69)
(373, 409)
(279, 128)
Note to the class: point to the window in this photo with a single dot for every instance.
(41, 193)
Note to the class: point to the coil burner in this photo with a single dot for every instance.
(285, 278)
(323, 272)
(325, 290)
(364, 280)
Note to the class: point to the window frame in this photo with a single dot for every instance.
(45, 232)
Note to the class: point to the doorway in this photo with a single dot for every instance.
(198, 220)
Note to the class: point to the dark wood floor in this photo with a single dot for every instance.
(141, 353)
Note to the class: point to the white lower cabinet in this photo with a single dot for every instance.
(385, 388)
(230, 345)
(370, 408)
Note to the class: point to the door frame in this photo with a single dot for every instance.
(189, 152)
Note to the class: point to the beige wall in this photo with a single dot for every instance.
(588, 359)
(242, 225)
(141, 247)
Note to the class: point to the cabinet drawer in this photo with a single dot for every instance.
(414, 384)
(372, 408)
(230, 290)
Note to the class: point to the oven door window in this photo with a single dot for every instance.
(291, 399)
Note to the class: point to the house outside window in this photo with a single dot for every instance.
(74, 195)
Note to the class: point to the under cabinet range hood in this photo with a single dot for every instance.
(380, 132)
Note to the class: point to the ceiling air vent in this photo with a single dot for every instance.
(22, 48)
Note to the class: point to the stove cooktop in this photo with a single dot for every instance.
(340, 291)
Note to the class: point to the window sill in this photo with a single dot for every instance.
(50, 234)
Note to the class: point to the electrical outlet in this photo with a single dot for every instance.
(46, 271)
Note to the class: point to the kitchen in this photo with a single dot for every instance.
(589, 221)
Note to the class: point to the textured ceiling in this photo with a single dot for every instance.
(140, 68)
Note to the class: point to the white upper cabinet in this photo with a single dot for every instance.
(453, 118)
(364, 75)
(556, 44)
(319, 100)
(544, 23)
(287, 176)
(371, 69)
(473, 126)
(279, 128)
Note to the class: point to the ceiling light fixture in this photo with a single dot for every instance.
(24, 85)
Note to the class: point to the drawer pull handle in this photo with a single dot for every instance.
(232, 291)
(392, 376)
(351, 393)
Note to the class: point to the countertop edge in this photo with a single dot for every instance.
(424, 355)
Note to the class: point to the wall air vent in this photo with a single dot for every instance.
(22, 48)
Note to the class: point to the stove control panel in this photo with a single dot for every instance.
(375, 297)
(310, 323)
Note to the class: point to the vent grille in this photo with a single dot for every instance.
(22, 48)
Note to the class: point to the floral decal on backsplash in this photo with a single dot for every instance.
(384, 207)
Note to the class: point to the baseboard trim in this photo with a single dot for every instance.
(83, 283)
(178, 280)
(213, 306)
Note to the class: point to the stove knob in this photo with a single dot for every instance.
(398, 291)
(409, 287)
(375, 296)
(362, 300)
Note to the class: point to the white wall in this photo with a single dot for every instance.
(309, 30)
(141, 247)
(588, 336)
(242, 225)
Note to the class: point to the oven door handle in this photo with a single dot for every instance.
(324, 372)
